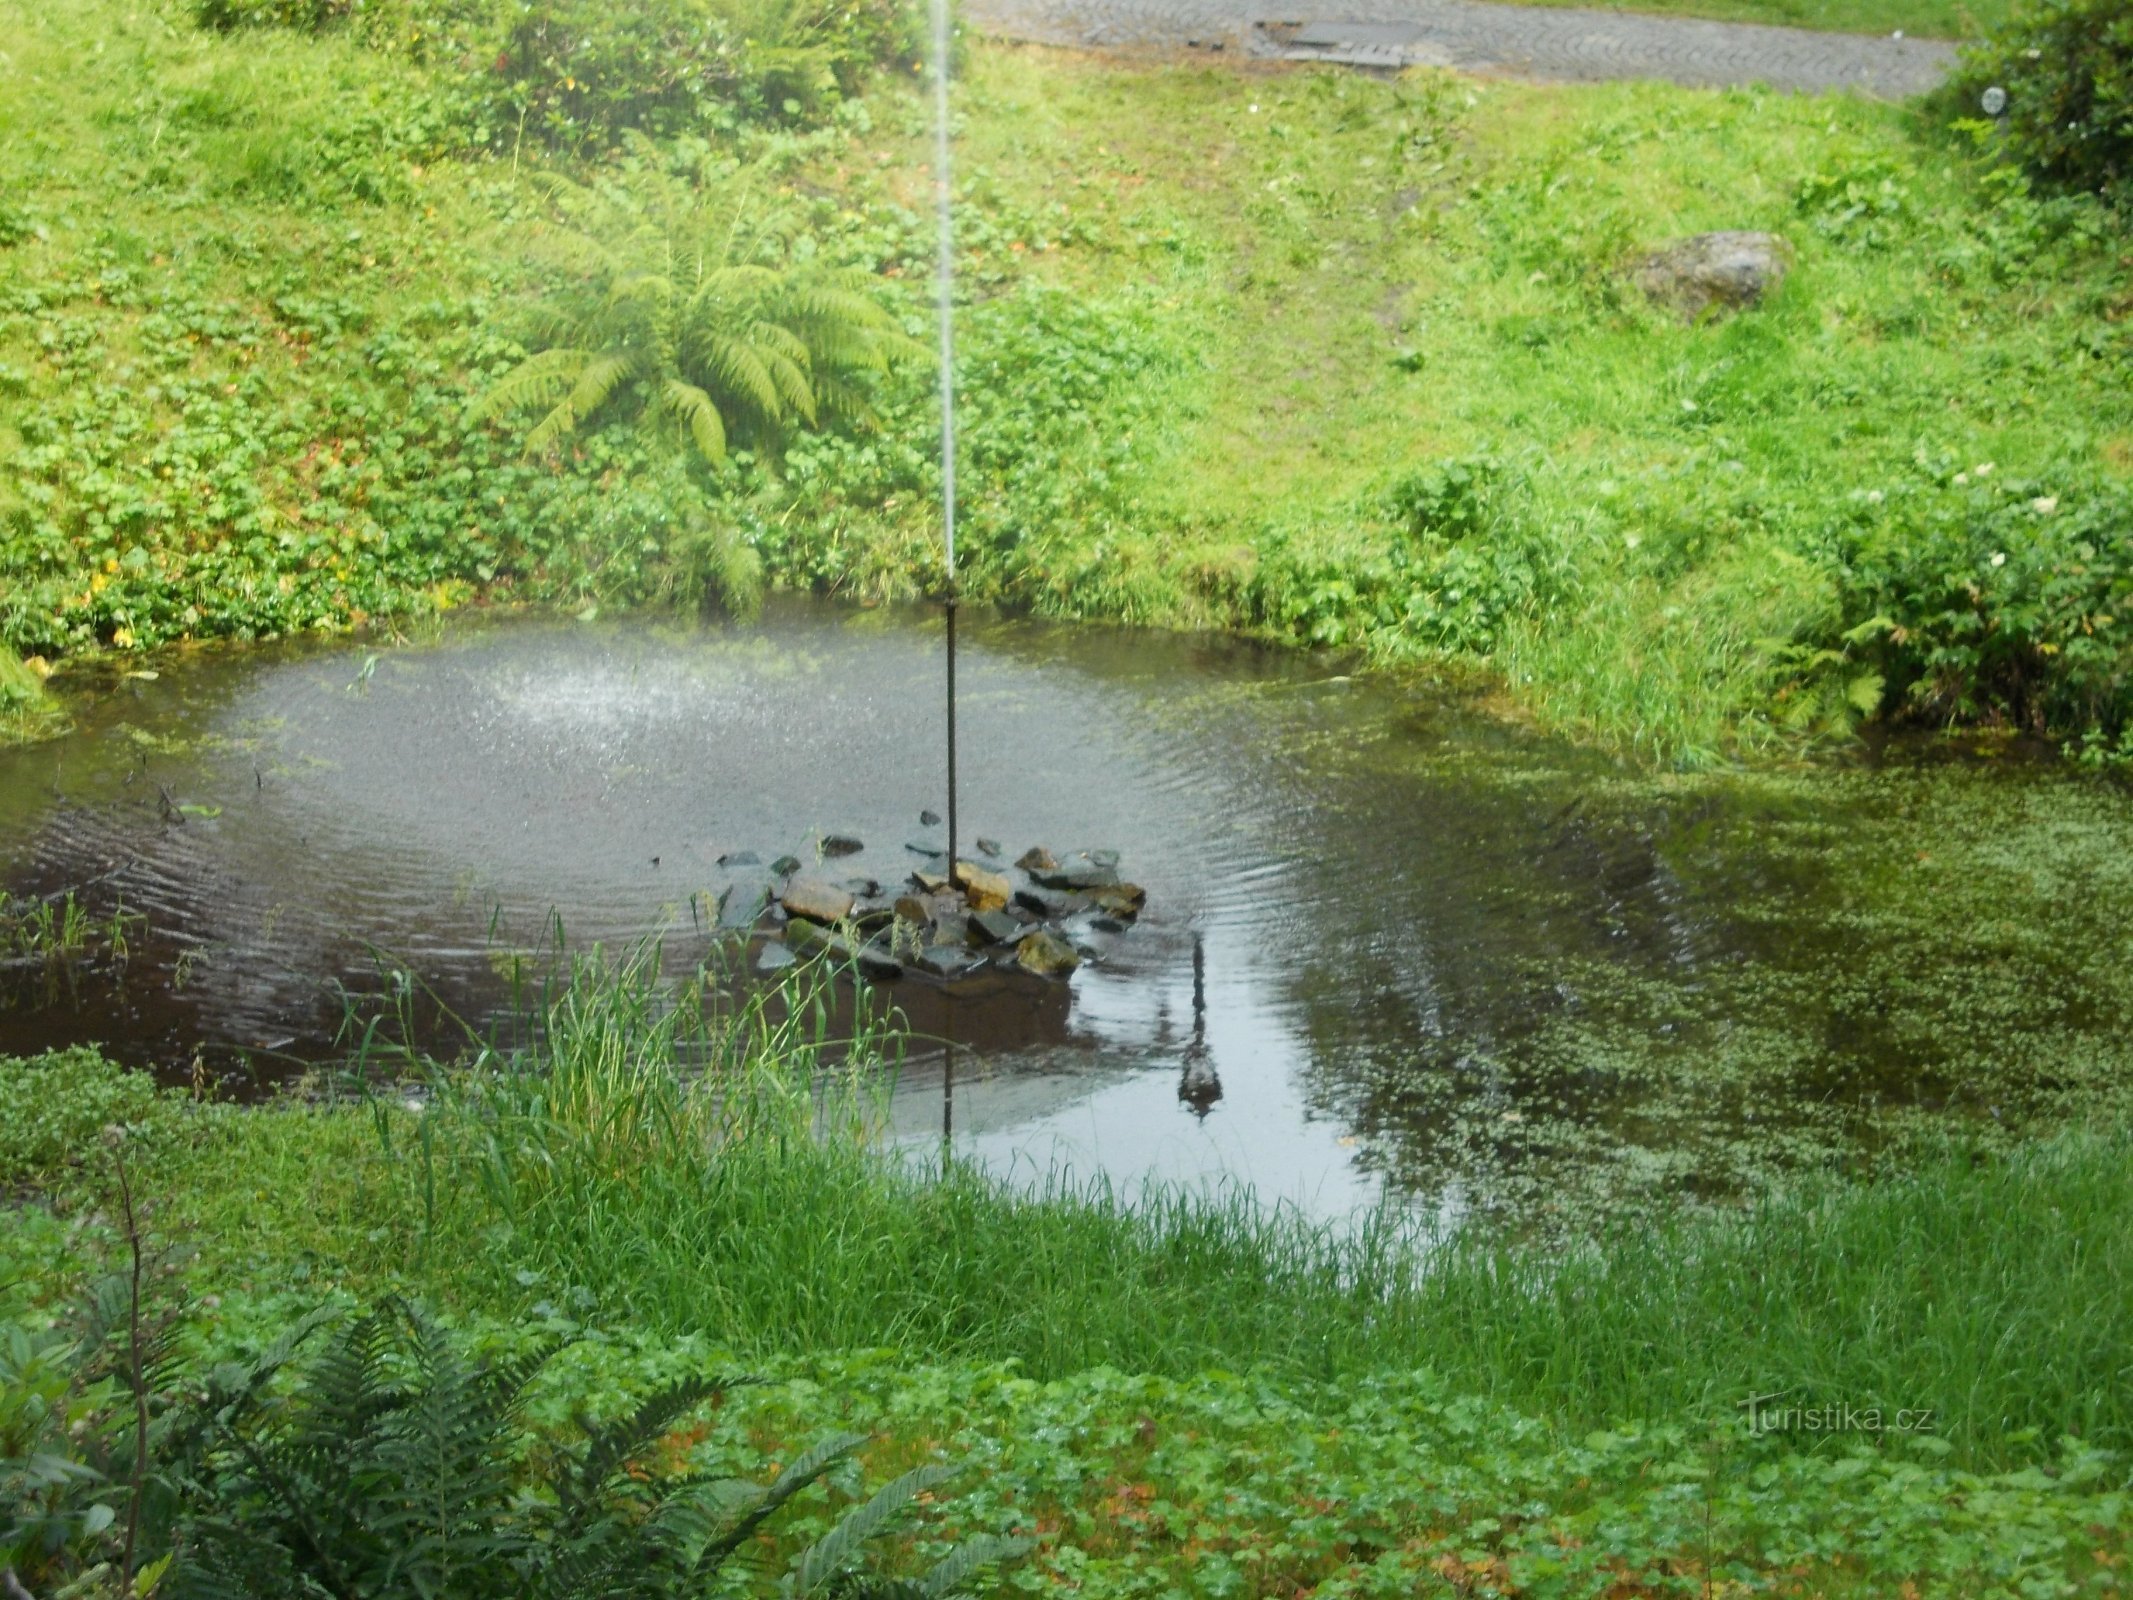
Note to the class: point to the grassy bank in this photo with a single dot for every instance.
(596, 1172)
(1180, 1390)
(1336, 360)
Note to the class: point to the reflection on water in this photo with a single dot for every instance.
(1388, 940)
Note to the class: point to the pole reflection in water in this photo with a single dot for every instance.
(1199, 1085)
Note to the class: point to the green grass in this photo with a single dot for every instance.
(747, 1203)
(1163, 1382)
(1215, 321)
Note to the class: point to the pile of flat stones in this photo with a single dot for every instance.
(1041, 913)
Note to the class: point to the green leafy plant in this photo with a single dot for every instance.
(689, 306)
(55, 1107)
(398, 1462)
(2066, 69)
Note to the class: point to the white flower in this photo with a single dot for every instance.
(1999, 558)
(1873, 497)
(1632, 540)
(1688, 405)
(1983, 469)
(1961, 478)
(1255, 109)
(2045, 504)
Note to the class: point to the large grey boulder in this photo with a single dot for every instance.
(1714, 273)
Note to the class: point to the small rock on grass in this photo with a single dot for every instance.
(1712, 273)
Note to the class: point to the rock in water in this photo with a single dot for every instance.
(1121, 900)
(785, 866)
(773, 957)
(817, 901)
(741, 904)
(739, 858)
(989, 847)
(876, 962)
(804, 938)
(995, 927)
(988, 891)
(1714, 272)
(1080, 875)
(945, 961)
(1038, 859)
(1046, 954)
(929, 818)
(841, 844)
(1050, 903)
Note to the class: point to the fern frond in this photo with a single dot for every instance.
(695, 408)
(552, 429)
(539, 377)
(608, 1448)
(837, 1550)
(598, 381)
(738, 367)
(798, 1474)
(952, 1572)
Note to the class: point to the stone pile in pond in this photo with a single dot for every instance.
(1040, 913)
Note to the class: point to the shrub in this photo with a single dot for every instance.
(584, 70)
(2067, 69)
(308, 15)
(2004, 603)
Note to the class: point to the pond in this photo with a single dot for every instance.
(1391, 942)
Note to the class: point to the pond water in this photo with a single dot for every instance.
(1390, 942)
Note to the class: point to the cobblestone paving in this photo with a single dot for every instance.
(1473, 36)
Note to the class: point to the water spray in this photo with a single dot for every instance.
(944, 311)
(944, 316)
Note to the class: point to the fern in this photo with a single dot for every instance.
(396, 1465)
(683, 303)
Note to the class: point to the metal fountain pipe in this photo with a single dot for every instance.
(944, 313)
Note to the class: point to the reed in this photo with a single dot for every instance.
(700, 1166)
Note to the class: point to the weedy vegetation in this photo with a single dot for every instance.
(1344, 362)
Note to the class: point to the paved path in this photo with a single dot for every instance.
(1474, 36)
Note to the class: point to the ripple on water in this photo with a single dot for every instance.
(1404, 943)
